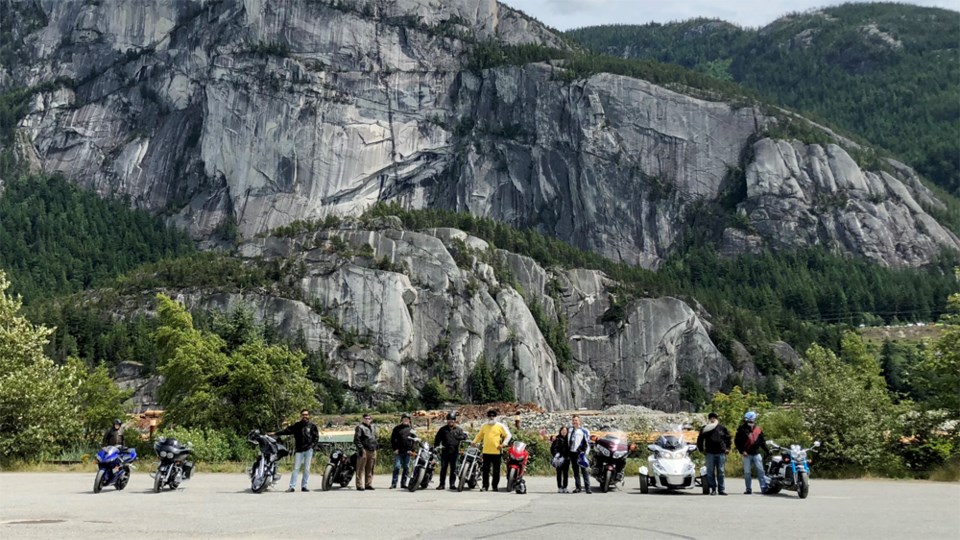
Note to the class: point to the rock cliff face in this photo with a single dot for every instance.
(246, 115)
(258, 113)
(393, 308)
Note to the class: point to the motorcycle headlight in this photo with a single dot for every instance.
(603, 451)
(802, 455)
(620, 454)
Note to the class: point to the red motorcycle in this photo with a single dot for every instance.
(517, 457)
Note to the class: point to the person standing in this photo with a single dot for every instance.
(577, 444)
(714, 443)
(400, 443)
(114, 435)
(305, 435)
(558, 449)
(494, 436)
(365, 439)
(750, 442)
(448, 441)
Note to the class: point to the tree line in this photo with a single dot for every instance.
(886, 72)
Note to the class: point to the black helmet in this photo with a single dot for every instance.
(452, 415)
(117, 422)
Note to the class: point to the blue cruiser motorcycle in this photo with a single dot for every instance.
(113, 467)
(788, 469)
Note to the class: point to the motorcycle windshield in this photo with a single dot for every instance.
(612, 439)
(671, 438)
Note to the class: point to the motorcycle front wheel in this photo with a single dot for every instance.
(414, 482)
(327, 483)
(511, 479)
(158, 481)
(607, 482)
(462, 479)
(803, 485)
(98, 481)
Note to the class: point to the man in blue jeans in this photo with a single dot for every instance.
(714, 443)
(400, 441)
(305, 434)
(750, 443)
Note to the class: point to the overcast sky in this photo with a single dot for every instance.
(567, 14)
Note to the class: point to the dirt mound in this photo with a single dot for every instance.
(475, 412)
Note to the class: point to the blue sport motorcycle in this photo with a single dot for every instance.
(788, 469)
(113, 467)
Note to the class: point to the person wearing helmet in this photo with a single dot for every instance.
(750, 442)
(448, 441)
(114, 435)
(400, 442)
(494, 436)
(714, 443)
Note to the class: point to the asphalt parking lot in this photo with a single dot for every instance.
(62, 505)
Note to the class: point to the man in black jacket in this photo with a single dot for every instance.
(448, 441)
(400, 443)
(750, 442)
(114, 435)
(714, 443)
(305, 435)
(365, 439)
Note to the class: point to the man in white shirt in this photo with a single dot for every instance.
(579, 440)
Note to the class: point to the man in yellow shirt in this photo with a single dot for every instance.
(495, 436)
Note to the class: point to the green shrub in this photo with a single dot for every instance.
(209, 445)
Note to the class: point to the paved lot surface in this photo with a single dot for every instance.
(62, 505)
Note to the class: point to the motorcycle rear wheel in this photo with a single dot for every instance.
(773, 489)
(644, 488)
(327, 483)
(123, 480)
(98, 481)
(803, 486)
(414, 482)
(706, 486)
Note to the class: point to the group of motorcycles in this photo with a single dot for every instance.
(115, 462)
(669, 465)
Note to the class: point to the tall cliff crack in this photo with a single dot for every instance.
(384, 77)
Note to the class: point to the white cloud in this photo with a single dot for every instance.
(566, 14)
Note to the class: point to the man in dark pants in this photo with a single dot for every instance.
(714, 443)
(400, 443)
(578, 443)
(448, 441)
(493, 437)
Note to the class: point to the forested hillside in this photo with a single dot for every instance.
(886, 72)
(56, 238)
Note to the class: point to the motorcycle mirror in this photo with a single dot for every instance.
(652, 447)
(771, 443)
(691, 448)
(816, 444)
